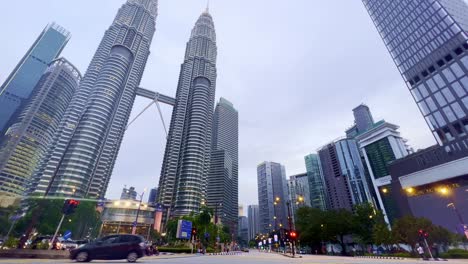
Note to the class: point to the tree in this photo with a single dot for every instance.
(338, 224)
(405, 229)
(381, 235)
(365, 217)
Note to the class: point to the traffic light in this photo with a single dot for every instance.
(69, 206)
(194, 231)
(293, 235)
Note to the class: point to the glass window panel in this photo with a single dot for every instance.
(458, 89)
(440, 99)
(457, 69)
(432, 121)
(431, 104)
(432, 85)
(449, 75)
(423, 107)
(449, 114)
(422, 89)
(439, 118)
(464, 82)
(440, 83)
(416, 94)
(464, 60)
(448, 95)
(458, 110)
(465, 102)
(437, 138)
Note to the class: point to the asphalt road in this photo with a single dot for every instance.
(244, 258)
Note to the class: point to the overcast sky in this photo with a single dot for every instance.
(294, 70)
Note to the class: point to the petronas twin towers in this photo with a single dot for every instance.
(80, 161)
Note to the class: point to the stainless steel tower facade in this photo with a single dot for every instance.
(80, 162)
(182, 184)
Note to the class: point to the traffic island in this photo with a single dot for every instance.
(34, 254)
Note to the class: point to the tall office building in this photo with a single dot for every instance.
(272, 196)
(243, 230)
(19, 85)
(253, 215)
(28, 138)
(427, 39)
(428, 43)
(81, 160)
(316, 184)
(185, 168)
(153, 196)
(363, 121)
(222, 189)
(299, 192)
(343, 174)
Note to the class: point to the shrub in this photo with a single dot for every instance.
(11, 242)
(175, 250)
(455, 254)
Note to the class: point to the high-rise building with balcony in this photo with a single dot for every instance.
(299, 192)
(185, 168)
(19, 85)
(28, 138)
(81, 159)
(272, 196)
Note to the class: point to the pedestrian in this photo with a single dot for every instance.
(420, 251)
(435, 249)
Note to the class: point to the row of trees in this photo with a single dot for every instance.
(364, 226)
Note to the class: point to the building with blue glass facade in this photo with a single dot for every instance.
(19, 85)
(344, 175)
(316, 186)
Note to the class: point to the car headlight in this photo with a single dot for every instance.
(80, 246)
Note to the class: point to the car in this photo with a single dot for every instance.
(130, 247)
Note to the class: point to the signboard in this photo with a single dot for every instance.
(67, 234)
(269, 240)
(275, 237)
(184, 229)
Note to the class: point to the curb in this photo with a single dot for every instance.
(380, 257)
(224, 253)
(290, 256)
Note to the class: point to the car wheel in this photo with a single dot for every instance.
(82, 256)
(132, 256)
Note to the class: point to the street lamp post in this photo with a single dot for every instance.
(138, 213)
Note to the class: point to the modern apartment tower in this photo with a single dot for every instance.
(343, 174)
(29, 137)
(428, 43)
(253, 215)
(185, 168)
(19, 85)
(316, 184)
(223, 183)
(81, 160)
(272, 196)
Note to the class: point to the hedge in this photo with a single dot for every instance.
(455, 254)
(175, 250)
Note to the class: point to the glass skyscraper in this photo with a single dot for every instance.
(316, 184)
(82, 157)
(185, 168)
(20, 84)
(272, 196)
(29, 137)
(427, 40)
(343, 174)
(223, 179)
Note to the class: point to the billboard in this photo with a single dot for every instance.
(184, 229)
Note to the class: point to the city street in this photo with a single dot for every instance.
(253, 257)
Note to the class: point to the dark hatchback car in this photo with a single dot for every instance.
(130, 247)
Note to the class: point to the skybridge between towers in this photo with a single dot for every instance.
(156, 98)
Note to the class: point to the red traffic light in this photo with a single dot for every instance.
(293, 234)
(426, 235)
(194, 231)
(73, 202)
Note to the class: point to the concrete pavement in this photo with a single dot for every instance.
(244, 258)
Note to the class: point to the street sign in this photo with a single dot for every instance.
(207, 235)
(269, 240)
(134, 224)
(67, 234)
(184, 229)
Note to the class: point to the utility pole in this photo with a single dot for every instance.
(293, 242)
(138, 213)
(56, 231)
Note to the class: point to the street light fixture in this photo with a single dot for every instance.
(138, 213)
